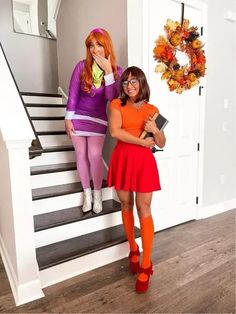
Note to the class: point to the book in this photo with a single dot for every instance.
(160, 121)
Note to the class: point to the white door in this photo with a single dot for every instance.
(178, 163)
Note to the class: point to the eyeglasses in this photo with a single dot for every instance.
(133, 82)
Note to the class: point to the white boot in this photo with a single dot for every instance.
(87, 205)
(97, 201)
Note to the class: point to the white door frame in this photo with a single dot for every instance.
(138, 27)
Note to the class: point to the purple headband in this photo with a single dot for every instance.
(97, 30)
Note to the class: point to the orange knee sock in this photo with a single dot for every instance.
(128, 222)
(147, 235)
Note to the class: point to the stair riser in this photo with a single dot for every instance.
(42, 100)
(46, 112)
(54, 140)
(65, 201)
(84, 264)
(49, 125)
(49, 179)
(76, 229)
(53, 158)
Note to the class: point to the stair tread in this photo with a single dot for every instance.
(47, 118)
(35, 170)
(38, 105)
(58, 190)
(61, 148)
(70, 215)
(60, 252)
(43, 133)
(41, 94)
(35, 149)
(50, 149)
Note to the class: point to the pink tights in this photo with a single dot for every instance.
(88, 151)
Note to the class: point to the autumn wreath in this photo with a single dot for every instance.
(180, 37)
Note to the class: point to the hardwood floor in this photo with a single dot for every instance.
(194, 273)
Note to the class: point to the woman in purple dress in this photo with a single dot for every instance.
(94, 82)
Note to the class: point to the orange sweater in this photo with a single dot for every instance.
(133, 119)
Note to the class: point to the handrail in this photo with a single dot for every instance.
(36, 148)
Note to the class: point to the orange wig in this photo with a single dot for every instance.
(104, 39)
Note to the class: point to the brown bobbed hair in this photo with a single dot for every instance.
(144, 90)
(104, 39)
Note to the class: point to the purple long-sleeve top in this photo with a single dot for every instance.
(88, 110)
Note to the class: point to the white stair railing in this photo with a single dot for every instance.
(16, 217)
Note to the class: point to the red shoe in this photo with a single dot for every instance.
(134, 266)
(142, 286)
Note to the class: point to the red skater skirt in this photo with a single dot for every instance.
(133, 168)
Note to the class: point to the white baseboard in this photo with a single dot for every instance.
(28, 292)
(22, 293)
(84, 264)
(215, 209)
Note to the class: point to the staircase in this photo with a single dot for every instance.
(68, 242)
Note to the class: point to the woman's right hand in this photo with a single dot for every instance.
(69, 128)
(104, 63)
(149, 142)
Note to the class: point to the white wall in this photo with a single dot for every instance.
(76, 19)
(33, 59)
(220, 134)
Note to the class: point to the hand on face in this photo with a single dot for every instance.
(105, 64)
(98, 53)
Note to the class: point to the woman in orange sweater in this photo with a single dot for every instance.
(133, 167)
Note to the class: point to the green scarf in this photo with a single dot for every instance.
(97, 74)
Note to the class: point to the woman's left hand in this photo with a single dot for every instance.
(150, 126)
(105, 64)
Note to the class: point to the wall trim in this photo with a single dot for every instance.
(215, 209)
(22, 293)
(8, 267)
(61, 92)
(57, 10)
